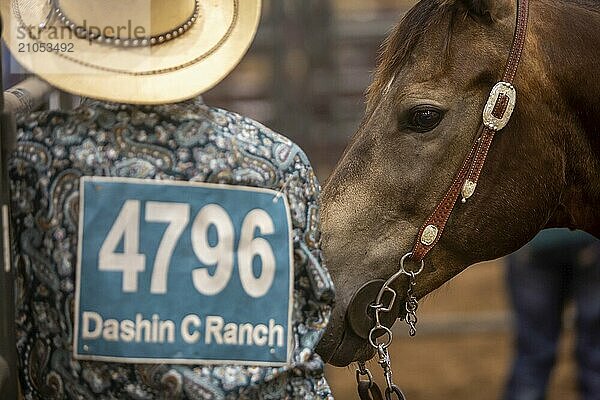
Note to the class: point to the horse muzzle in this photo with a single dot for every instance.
(360, 314)
(347, 337)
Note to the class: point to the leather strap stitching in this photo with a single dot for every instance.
(475, 161)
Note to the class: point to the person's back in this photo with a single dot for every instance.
(183, 142)
(154, 151)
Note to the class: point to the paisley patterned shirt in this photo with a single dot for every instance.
(187, 141)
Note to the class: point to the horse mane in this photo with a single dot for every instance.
(405, 37)
(397, 47)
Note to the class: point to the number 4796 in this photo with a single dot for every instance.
(130, 262)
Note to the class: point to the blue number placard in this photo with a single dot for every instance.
(183, 272)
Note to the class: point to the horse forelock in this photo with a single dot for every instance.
(404, 38)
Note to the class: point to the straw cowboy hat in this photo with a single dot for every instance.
(130, 51)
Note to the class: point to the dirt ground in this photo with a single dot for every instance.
(451, 361)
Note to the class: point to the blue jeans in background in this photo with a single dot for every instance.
(541, 280)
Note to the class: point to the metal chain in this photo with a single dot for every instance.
(386, 364)
(411, 306)
(362, 370)
(367, 389)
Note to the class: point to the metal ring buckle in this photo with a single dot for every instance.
(379, 307)
(489, 119)
(410, 273)
(387, 332)
(359, 373)
(391, 279)
(394, 390)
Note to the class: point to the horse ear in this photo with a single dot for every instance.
(489, 10)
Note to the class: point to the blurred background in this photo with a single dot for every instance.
(304, 77)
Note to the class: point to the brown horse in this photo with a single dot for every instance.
(434, 75)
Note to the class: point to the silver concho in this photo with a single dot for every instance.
(429, 235)
(468, 190)
(489, 120)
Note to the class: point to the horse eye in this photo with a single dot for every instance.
(425, 119)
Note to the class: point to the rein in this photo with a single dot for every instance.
(496, 114)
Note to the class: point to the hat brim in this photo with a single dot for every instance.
(176, 70)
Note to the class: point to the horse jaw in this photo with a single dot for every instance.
(357, 250)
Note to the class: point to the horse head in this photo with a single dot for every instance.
(424, 108)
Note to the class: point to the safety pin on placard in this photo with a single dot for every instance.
(280, 191)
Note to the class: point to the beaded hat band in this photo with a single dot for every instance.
(193, 46)
(83, 33)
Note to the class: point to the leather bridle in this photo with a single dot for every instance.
(496, 114)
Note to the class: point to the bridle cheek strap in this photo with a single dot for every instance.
(496, 115)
